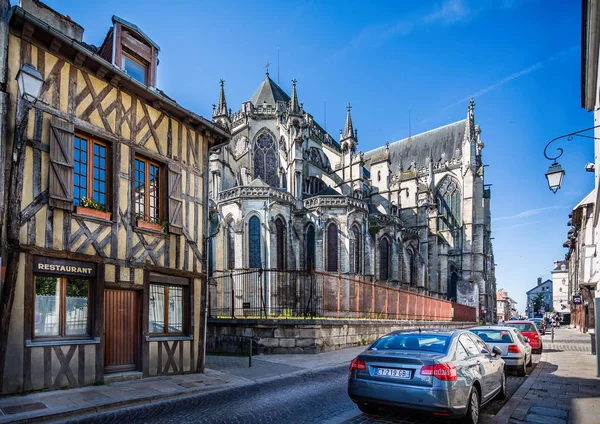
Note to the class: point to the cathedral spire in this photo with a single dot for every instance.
(222, 106)
(349, 129)
(294, 106)
(471, 118)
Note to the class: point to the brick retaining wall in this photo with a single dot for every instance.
(304, 336)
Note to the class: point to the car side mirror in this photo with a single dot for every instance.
(526, 339)
(497, 350)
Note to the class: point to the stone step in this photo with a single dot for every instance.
(122, 376)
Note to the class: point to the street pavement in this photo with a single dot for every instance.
(310, 389)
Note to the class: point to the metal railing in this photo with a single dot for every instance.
(301, 294)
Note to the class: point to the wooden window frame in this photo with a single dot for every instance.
(161, 187)
(62, 321)
(91, 142)
(141, 62)
(185, 310)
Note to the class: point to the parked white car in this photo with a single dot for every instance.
(515, 347)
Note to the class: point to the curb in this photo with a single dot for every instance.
(503, 416)
(94, 410)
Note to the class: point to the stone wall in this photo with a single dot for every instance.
(304, 336)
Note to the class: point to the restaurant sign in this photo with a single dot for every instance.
(42, 265)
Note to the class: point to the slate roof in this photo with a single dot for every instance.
(446, 139)
(327, 191)
(269, 92)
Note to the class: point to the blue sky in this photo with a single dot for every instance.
(519, 59)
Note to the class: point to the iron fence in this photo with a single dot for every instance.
(301, 294)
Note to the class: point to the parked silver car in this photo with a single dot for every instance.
(516, 350)
(449, 373)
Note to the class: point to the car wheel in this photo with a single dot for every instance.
(522, 370)
(367, 409)
(473, 410)
(530, 361)
(502, 393)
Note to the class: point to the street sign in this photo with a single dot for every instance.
(577, 300)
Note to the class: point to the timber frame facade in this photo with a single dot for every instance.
(137, 270)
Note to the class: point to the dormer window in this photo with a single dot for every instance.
(129, 49)
(135, 68)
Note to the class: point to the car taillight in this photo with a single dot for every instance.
(513, 349)
(445, 372)
(357, 364)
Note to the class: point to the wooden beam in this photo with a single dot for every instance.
(101, 72)
(79, 59)
(55, 45)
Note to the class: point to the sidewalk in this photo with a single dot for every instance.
(222, 372)
(562, 389)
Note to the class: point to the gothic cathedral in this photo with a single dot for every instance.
(416, 212)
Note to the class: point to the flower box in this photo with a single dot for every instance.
(149, 225)
(95, 213)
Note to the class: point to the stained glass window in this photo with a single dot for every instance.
(230, 245)
(384, 259)
(448, 199)
(332, 248)
(355, 247)
(412, 268)
(281, 245)
(265, 159)
(254, 243)
(310, 247)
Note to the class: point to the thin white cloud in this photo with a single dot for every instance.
(451, 11)
(524, 224)
(526, 214)
(539, 65)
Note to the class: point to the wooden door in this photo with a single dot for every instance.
(121, 330)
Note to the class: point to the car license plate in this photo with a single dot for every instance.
(390, 372)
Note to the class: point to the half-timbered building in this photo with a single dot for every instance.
(111, 211)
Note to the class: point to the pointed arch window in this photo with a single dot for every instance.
(448, 200)
(452, 282)
(384, 259)
(332, 248)
(265, 159)
(254, 243)
(310, 247)
(412, 269)
(355, 248)
(230, 244)
(281, 245)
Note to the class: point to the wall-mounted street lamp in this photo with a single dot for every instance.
(555, 172)
(30, 82)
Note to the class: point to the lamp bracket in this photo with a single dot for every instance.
(569, 137)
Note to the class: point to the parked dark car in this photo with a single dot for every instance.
(446, 373)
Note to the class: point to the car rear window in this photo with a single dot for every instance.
(425, 342)
(494, 336)
(522, 327)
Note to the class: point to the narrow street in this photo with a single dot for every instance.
(307, 398)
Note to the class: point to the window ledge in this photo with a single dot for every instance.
(167, 338)
(149, 231)
(93, 218)
(66, 342)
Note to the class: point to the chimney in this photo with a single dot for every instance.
(539, 280)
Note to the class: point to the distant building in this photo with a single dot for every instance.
(505, 305)
(560, 290)
(546, 306)
(582, 262)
